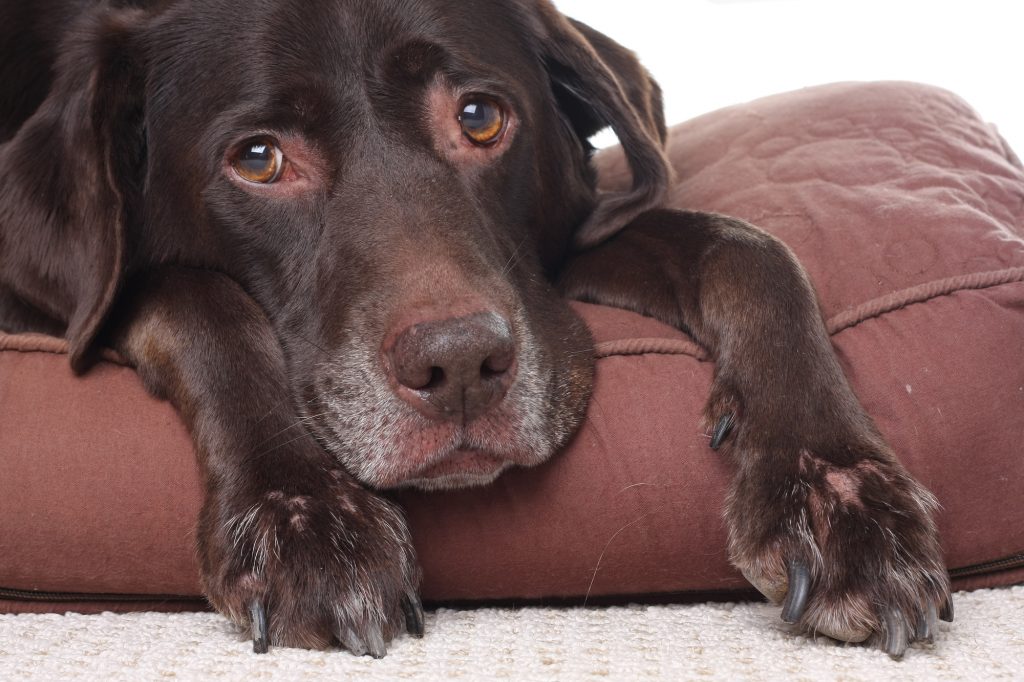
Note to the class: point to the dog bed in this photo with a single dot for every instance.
(907, 211)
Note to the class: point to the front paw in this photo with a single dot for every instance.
(332, 563)
(850, 550)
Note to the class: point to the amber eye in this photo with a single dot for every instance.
(259, 160)
(482, 120)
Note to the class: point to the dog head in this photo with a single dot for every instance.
(395, 183)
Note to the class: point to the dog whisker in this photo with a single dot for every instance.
(597, 566)
(513, 259)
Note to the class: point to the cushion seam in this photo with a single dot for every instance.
(53, 345)
(835, 325)
(921, 293)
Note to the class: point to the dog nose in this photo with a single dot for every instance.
(455, 368)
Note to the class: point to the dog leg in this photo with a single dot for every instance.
(822, 517)
(291, 546)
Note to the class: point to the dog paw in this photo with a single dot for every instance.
(849, 550)
(334, 564)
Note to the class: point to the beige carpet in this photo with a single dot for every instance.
(708, 641)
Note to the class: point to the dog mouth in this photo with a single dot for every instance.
(462, 468)
(403, 450)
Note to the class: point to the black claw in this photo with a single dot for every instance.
(895, 634)
(925, 630)
(946, 613)
(258, 624)
(799, 588)
(413, 614)
(350, 640)
(375, 643)
(723, 430)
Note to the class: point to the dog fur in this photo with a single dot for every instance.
(392, 311)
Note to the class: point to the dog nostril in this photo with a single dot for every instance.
(420, 378)
(436, 379)
(495, 365)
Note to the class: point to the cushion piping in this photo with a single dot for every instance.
(922, 293)
(40, 343)
(839, 323)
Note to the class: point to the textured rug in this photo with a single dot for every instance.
(706, 641)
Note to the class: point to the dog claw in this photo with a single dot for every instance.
(372, 642)
(946, 613)
(895, 635)
(351, 641)
(258, 624)
(375, 643)
(925, 630)
(413, 608)
(723, 430)
(799, 588)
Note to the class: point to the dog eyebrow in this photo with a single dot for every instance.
(415, 58)
(420, 59)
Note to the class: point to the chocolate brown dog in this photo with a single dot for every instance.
(339, 237)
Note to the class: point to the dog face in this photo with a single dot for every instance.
(396, 184)
(396, 255)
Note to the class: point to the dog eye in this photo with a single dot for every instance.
(259, 160)
(482, 120)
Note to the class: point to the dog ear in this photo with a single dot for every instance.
(71, 177)
(598, 84)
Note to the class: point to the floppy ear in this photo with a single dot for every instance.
(598, 84)
(70, 180)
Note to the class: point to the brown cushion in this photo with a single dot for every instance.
(906, 209)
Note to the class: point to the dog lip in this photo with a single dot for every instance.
(461, 462)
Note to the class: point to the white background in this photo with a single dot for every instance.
(708, 54)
